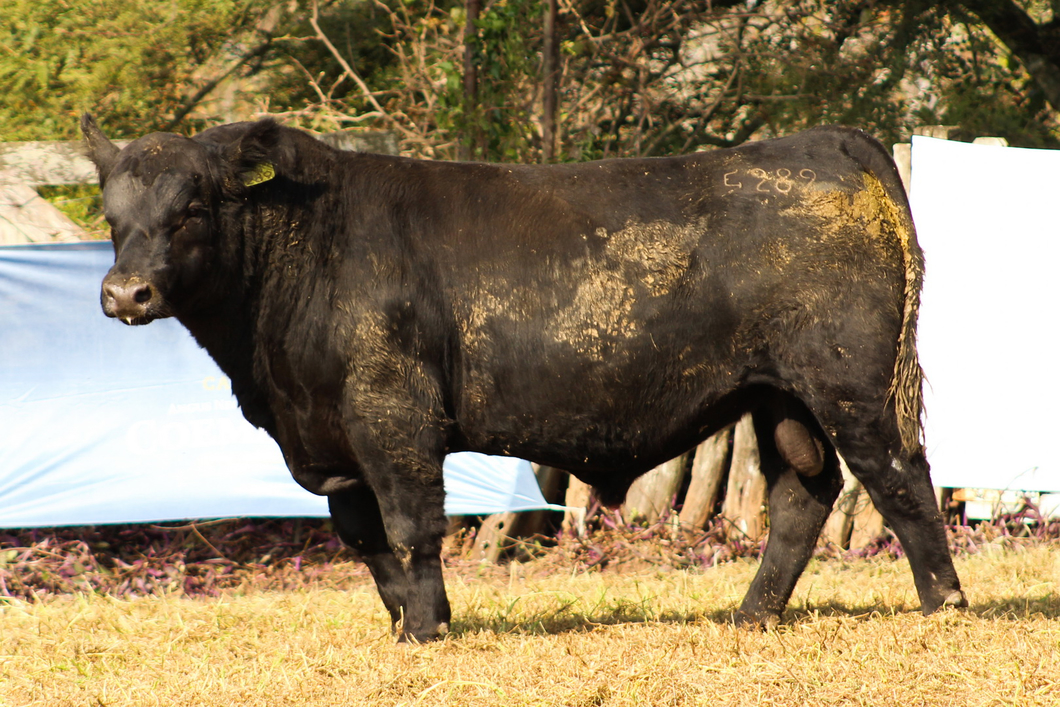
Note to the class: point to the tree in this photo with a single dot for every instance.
(1030, 38)
(993, 67)
(141, 64)
(647, 77)
(636, 77)
(671, 76)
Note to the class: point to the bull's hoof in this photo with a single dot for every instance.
(756, 622)
(954, 600)
(422, 635)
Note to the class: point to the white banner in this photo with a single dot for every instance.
(987, 218)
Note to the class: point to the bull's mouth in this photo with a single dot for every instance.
(133, 316)
(136, 321)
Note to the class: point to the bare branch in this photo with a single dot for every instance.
(365, 91)
(189, 104)
(1039, 52)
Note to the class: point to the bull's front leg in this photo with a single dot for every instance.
(396, 427)
(411, 500)
(401, 456)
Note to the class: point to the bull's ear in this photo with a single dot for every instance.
(101, 150)
(251, 158)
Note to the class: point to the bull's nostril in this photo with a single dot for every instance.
(142, 294)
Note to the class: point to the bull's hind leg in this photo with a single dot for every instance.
(900, 487)
(803, 481)
(358, 522)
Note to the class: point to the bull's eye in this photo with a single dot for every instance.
(195, 211)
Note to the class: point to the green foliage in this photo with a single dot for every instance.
(82, 204)
(812, 66)
(503, 48)
(994, 108)
(638, 77)
(981, 87)
(132, 62)
(304, 83)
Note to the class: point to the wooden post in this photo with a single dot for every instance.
(941, 132)
(27, 218)
(868, 523)
(579, 496)
(709, 465)
(492, 536)
(840, 523)
(652, 494)
(549, 478)
(495, 534)
(903, 157)
(745, 495)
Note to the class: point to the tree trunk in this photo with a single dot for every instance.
(471, 142)
(652, 495)
(745, 495)
(708, 471)
(550, 82)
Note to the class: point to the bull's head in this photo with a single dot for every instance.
(163, 197)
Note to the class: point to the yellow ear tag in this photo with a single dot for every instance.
(262, 172)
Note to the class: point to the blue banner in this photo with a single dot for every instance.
(104, 423)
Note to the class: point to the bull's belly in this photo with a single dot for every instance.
(594, 448)
(597, 418)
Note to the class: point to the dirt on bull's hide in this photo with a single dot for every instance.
(641, 259)
(638, 261)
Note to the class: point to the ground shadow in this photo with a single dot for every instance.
(562, 620)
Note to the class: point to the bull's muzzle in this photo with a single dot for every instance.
(128, 299)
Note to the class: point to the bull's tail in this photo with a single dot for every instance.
(907, 381)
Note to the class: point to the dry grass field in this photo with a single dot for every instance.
(532, 634)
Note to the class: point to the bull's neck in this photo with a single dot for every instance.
(265, 238)
(275, 235)
(227, 333)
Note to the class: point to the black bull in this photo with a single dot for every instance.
(375, 313)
